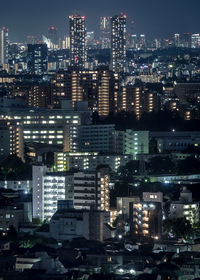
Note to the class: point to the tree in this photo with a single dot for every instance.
(12, 234)
(188, 166)
(14, 168)
(179, 227)
(128, 171)
(153, 146)
(161, 165)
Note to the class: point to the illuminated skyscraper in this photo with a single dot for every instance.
(195, 41)
(77, 31)
(177, 40)
(3, 46)
(37, 59)
(118, 43)
(105, 32)
(53, 35)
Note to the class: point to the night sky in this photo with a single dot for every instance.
(155, 18)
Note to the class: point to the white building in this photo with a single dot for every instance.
(136, 142)
(48, 188)
(185, 207)
(86, 189)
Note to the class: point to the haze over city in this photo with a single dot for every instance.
(155, 18)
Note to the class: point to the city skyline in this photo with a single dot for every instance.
(155, 18)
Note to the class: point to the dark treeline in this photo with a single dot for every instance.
(154, 121)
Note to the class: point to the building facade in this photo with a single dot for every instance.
(77, 30)
(3, 46)
(118, 43)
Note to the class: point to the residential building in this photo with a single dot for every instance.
(118, 43)
(89, 160)
(48, 188)
(146, 219)
(77, 30)
(91, 189)
(123, 204)
(139, 100)
(11, 139)
(69, 223)
(86, 189)
(185, 207)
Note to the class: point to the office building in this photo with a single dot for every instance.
(96, 138)
(118, 43)
(77, 29)
(37, 59)
(3, 46)
(175, 141)
(53, 35)
(50, 126)
(105, 32)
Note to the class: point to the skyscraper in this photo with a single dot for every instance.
(53, 35)
(37, 59)
(118, 43)
(77, 31)
(105, 31)
(3, 46)
(195, 41)
(177, 40)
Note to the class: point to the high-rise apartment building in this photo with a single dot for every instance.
(105, 32)
(138, 99)
(38, 95)
(77, 31)
(100, 88)
(3, 46)
(11, 139)
(118, 43)
(37, 59)
(108, 92)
